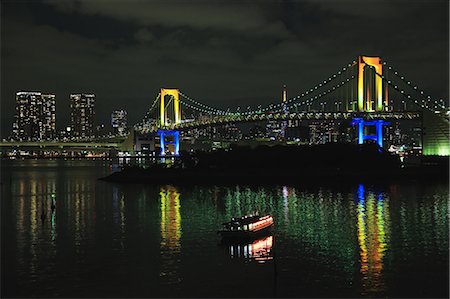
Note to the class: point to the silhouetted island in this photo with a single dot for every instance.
(281, 164)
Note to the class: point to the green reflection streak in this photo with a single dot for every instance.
(322, 223)
(423, 225)
(53, 231)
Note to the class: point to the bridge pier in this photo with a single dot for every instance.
(163, 143)
(378, 137)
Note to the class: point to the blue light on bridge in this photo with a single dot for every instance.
(162, 141)
(378, 137)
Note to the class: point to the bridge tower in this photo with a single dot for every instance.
(371, 97)
(165, 120)
(175, 98)
(370, 85)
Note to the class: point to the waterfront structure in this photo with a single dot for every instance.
(82, 115)
(119, 121)
(359, 90)
(322, 132)
(274, 129)
(35, 117)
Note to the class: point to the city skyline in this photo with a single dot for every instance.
(124, 53)
(35, 118)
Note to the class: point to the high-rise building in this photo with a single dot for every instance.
(322, 132)
(82, 115)
(119, 121)
(35, 117)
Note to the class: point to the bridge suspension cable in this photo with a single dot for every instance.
(203, 106)
(313, 89)
(312, 99)
(402, 92)
(414, 87)
(149, 111)
(198, 106)
(324, 93)
(202, 110)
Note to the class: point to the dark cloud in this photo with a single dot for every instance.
(220, 52)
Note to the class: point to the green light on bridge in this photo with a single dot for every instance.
(441, 149)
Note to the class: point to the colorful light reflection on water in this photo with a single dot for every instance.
(101, 239)
(170, 233)
(373, 231)
(259, 250)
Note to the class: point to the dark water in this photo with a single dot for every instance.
(110, 240)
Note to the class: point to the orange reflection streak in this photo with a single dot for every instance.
(170, 233)
(372, 227)
(260, 250)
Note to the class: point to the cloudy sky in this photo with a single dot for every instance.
(223, 53)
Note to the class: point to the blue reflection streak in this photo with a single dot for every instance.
(361, 192)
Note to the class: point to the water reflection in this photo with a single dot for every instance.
(373, 235)
(259, 250)
(48, 214)
(170, 234)
(286, 193)
(370, 240)
(118, 215)
(240, 201)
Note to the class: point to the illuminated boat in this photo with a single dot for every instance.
(246, 226)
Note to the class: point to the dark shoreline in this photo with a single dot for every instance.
(261, 176)
(332, 162)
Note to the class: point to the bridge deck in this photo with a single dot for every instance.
(224, 119)
(58, 145)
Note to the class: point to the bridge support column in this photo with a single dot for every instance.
(378, 137)
(163, 143)
(173, 92)
(364, 98)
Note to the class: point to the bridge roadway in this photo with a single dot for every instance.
(241, 118)
(207, 121)
(41, 145)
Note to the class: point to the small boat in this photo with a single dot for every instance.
(246, 227)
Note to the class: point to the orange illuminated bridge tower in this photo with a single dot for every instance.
(371, 94)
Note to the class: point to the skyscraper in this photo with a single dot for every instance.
(82, 115)
(35, 117)
(119, 121)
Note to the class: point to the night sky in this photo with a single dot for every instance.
(222, 53)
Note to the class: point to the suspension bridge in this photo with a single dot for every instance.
(367, 92)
